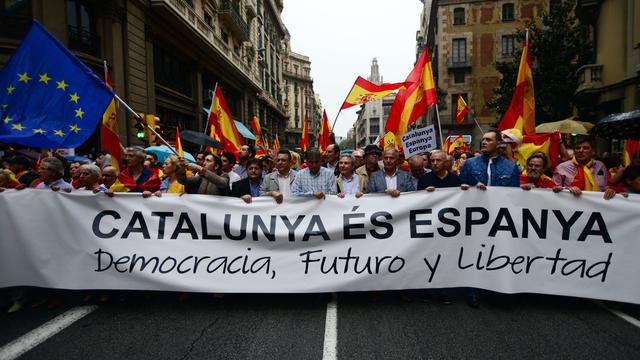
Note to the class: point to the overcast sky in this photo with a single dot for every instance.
(341, 37)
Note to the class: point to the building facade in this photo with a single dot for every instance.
(372, 116)
(167, 56)
(299, 99)
(469, 37)
(611, 84)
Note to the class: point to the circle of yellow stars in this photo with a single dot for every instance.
(44, 79)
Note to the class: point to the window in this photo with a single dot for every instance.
(508, 42)
(374, 126)
(458, 16)
(81, 27)
(508, 12)
(459, 51)
(458, 76)
(209, 20)
(224, 36)
(170, 71)
(15, 17)
(386, 109)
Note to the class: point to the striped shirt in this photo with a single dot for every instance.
(305, 183)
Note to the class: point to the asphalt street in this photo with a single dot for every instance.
(383, 325)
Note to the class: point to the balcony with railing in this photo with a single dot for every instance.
(589, 79)
(229, 12)
(199, 26)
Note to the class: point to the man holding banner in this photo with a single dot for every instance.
(392, 180)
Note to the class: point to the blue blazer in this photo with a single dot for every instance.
(377, 183)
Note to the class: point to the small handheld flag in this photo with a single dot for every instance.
(461, 110)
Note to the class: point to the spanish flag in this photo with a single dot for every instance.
(255, 126)
(461, 110)
(304, 138)
(412, 102)
(276, 143)
(364, 91)
(547, 143)
(223, 128)
(389, 141)
(630, 148)
(110, 137)
(324, 139)
(457, 143)
(179, 142)
(521, 113)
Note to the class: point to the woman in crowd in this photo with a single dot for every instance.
(170, 182)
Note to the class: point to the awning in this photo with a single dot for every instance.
(243, 130)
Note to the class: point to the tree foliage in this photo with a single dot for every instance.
(560, 45)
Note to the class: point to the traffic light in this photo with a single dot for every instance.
(140, 129)
(152, 121)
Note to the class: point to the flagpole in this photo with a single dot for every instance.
(206, 123)
(439, 127)
(345, 99)
(143, 122)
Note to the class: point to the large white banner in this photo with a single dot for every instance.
(502, 239)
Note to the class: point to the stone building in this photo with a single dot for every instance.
(611, 84)
(469, 37)
(372, 116)
(299, 99)
(166, 56)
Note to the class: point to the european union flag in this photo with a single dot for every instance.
(49, 98)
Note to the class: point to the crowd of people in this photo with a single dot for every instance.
(285, 173)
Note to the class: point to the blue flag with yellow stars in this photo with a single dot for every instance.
(49, 98)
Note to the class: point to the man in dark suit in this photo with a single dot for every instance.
(248, 188)
(391, 180)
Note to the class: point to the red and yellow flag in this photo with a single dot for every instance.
(223, 128)
(255, 126)
(461, 110)
(276, 143)
(324, 137)
(304, 138)
(110, 137)
(521, 113)
(630, 147)
(457, 143)
(412, 102)
(547, 143)
(364, 91)
(179, 142)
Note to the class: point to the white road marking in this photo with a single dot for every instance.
(628, 318)
(36, 336)
(330, 350)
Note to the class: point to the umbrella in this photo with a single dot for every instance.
(200, 139)
(619, 126)
(80, 159)
(163, 151)
(243, 130)
(566, 126)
